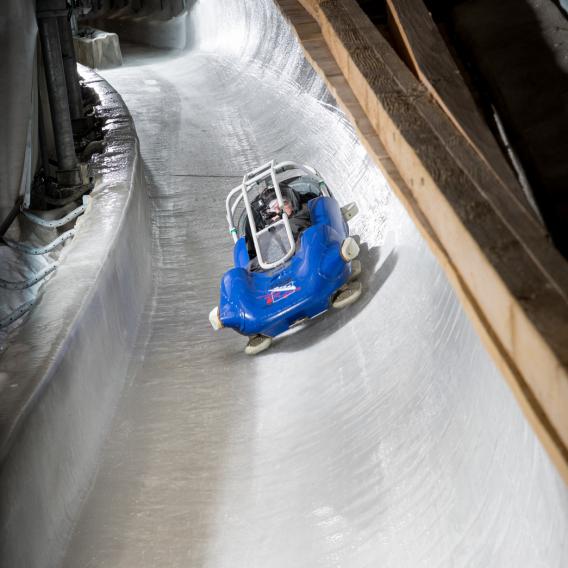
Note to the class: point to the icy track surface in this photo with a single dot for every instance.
(381, 435)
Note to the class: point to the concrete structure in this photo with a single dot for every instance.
(158, 24)
(98, 49)
(18, 42)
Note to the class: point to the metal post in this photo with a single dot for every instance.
(42, 137)
(70, 66)
(5, 225)
(68, 173)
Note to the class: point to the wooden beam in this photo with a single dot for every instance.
(433, 64)
(511, 281)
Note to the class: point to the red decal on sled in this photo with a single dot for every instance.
(280, 293)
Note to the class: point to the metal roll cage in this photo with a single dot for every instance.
(241, 192)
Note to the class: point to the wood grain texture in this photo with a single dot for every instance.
(436, 69)
(511, 281)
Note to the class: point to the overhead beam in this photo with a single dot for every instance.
(433, 64)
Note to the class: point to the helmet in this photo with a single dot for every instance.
(268, 201)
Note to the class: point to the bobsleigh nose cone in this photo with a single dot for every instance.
(349, 249)
(215, 318)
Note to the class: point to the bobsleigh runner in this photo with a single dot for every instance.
(293, 254)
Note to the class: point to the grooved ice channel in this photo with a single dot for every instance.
(382, 435)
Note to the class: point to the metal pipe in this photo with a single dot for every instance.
(70, 67)
(42, 137)
(58, 102)
(5, 225)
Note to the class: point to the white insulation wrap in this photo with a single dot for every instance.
(381, 435)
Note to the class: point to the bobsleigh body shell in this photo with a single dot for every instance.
(270, 302)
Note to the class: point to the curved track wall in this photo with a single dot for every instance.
(379, 434)
(64, 368)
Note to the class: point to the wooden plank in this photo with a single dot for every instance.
(435, 67)
(511, 281)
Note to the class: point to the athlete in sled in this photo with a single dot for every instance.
(293, 254)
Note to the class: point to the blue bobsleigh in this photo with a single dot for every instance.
(293, 254)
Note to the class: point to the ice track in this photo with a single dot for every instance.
(382, 435)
